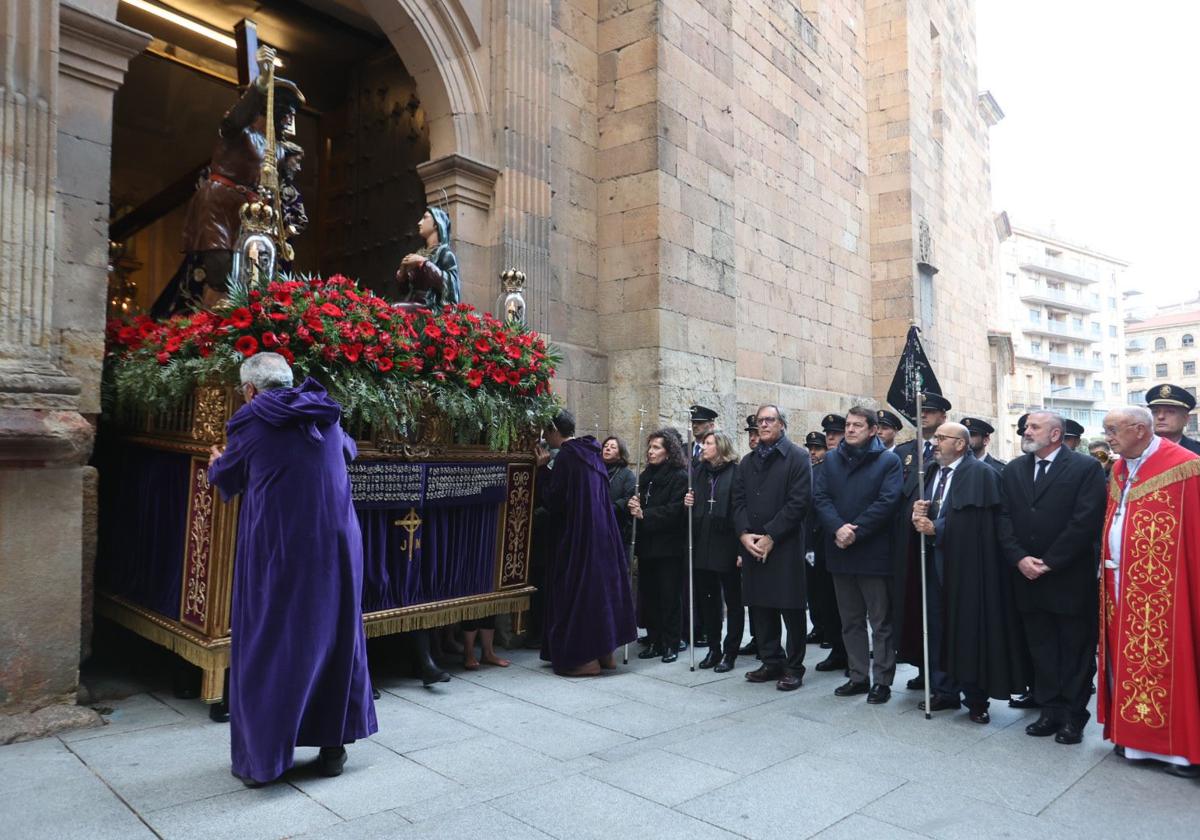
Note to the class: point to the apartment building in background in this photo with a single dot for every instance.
(1064, 305)
(1162, 349)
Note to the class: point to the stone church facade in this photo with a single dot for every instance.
(715, 202)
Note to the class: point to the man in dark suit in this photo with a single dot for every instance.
(1049, 533)
(906, 589)
(1171, 406)
(981, 436)
(772, 493)
(822, 599)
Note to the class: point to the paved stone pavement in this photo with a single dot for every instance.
(653, 751)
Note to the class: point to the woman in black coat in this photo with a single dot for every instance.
(661, 545)
(715, 550)
(622, 485)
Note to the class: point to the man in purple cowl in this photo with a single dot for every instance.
(298, 654)
(589, 604)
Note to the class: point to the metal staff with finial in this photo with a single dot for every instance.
(637, 479)
(691, 582)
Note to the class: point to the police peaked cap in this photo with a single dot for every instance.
(1072, 429)
(815, 439)
(833, 423)
(700, 414)
(978, 427)
(751, 423)
(934, 401)
(1170, 395)
(886, 418)
(1021, 423)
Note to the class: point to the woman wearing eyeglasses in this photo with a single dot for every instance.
(661, 541)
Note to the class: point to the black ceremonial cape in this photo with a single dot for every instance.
(982, 642)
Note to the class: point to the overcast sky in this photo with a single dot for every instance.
(1100, 129)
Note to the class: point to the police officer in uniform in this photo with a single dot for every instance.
(1072, 434)
(889, 426)
(822, 600)
(981, 435)
(1171, 406)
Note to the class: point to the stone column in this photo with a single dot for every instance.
(44, 440)
(521, 86)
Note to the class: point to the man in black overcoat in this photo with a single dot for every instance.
(974, 646)
(1050, 526)
(906, 574)
(772, 493)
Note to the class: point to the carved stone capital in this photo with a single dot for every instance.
(95, 50)
(32, 383)
(34, 438)
(455, 178)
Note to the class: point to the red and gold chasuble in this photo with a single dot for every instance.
(1148, 695)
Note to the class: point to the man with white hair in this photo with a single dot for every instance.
(298, 654)
(1149, 693)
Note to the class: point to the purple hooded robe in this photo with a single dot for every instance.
(298, 657)
(589, 606)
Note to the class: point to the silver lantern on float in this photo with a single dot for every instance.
(510, 306)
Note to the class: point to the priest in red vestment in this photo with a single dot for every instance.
(1149, 691)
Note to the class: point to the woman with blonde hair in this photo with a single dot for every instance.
(715, 551)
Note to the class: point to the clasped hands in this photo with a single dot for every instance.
(921, 520)
(635, 507)
(214, 453)
(759, 545)
(1032, 567)
(845, 536)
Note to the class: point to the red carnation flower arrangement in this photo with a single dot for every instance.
(379, 361)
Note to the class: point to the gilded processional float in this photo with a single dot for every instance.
(446, 404)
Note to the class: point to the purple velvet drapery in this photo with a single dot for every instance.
(457, 556)
(143, 523)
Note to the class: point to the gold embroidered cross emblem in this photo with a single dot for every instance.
(410, 523)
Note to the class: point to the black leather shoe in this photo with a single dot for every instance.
(219, 712)
(434, 674)
(1043, 726)
(833, 662)
(331, 760)
(670, 656)
(1069, 733)
(725, 665)
(749, 649)
(813, 638)
(651, 652)
(879, 694)
(643, 640)
(712, 660)
(980, 716)
(1183, 771)
(764, 674)
(683, 645)
(940, 703)
(826, 645)
(851, 688)
(788, 682)
(701, 640)
(917, 683)
(1025, 701)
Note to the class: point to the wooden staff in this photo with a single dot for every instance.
(637, 478)
(691, 582)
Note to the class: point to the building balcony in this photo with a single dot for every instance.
(1069, 361)
(1060, 393)
(1135, 345)
(1138, 372)
(1072, 270)
(1060, 299)
(1024, 351)
(1061, 328)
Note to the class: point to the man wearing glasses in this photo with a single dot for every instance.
(1149, 692)
(974, 646)
(772, 492)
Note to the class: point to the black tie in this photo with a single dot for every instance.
(1042, 466)
(695, 451)
(938, 491)
(928, 450)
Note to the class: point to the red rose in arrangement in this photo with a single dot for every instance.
(270, 341)
(474, 378)
(384, 364)
(331, 310)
